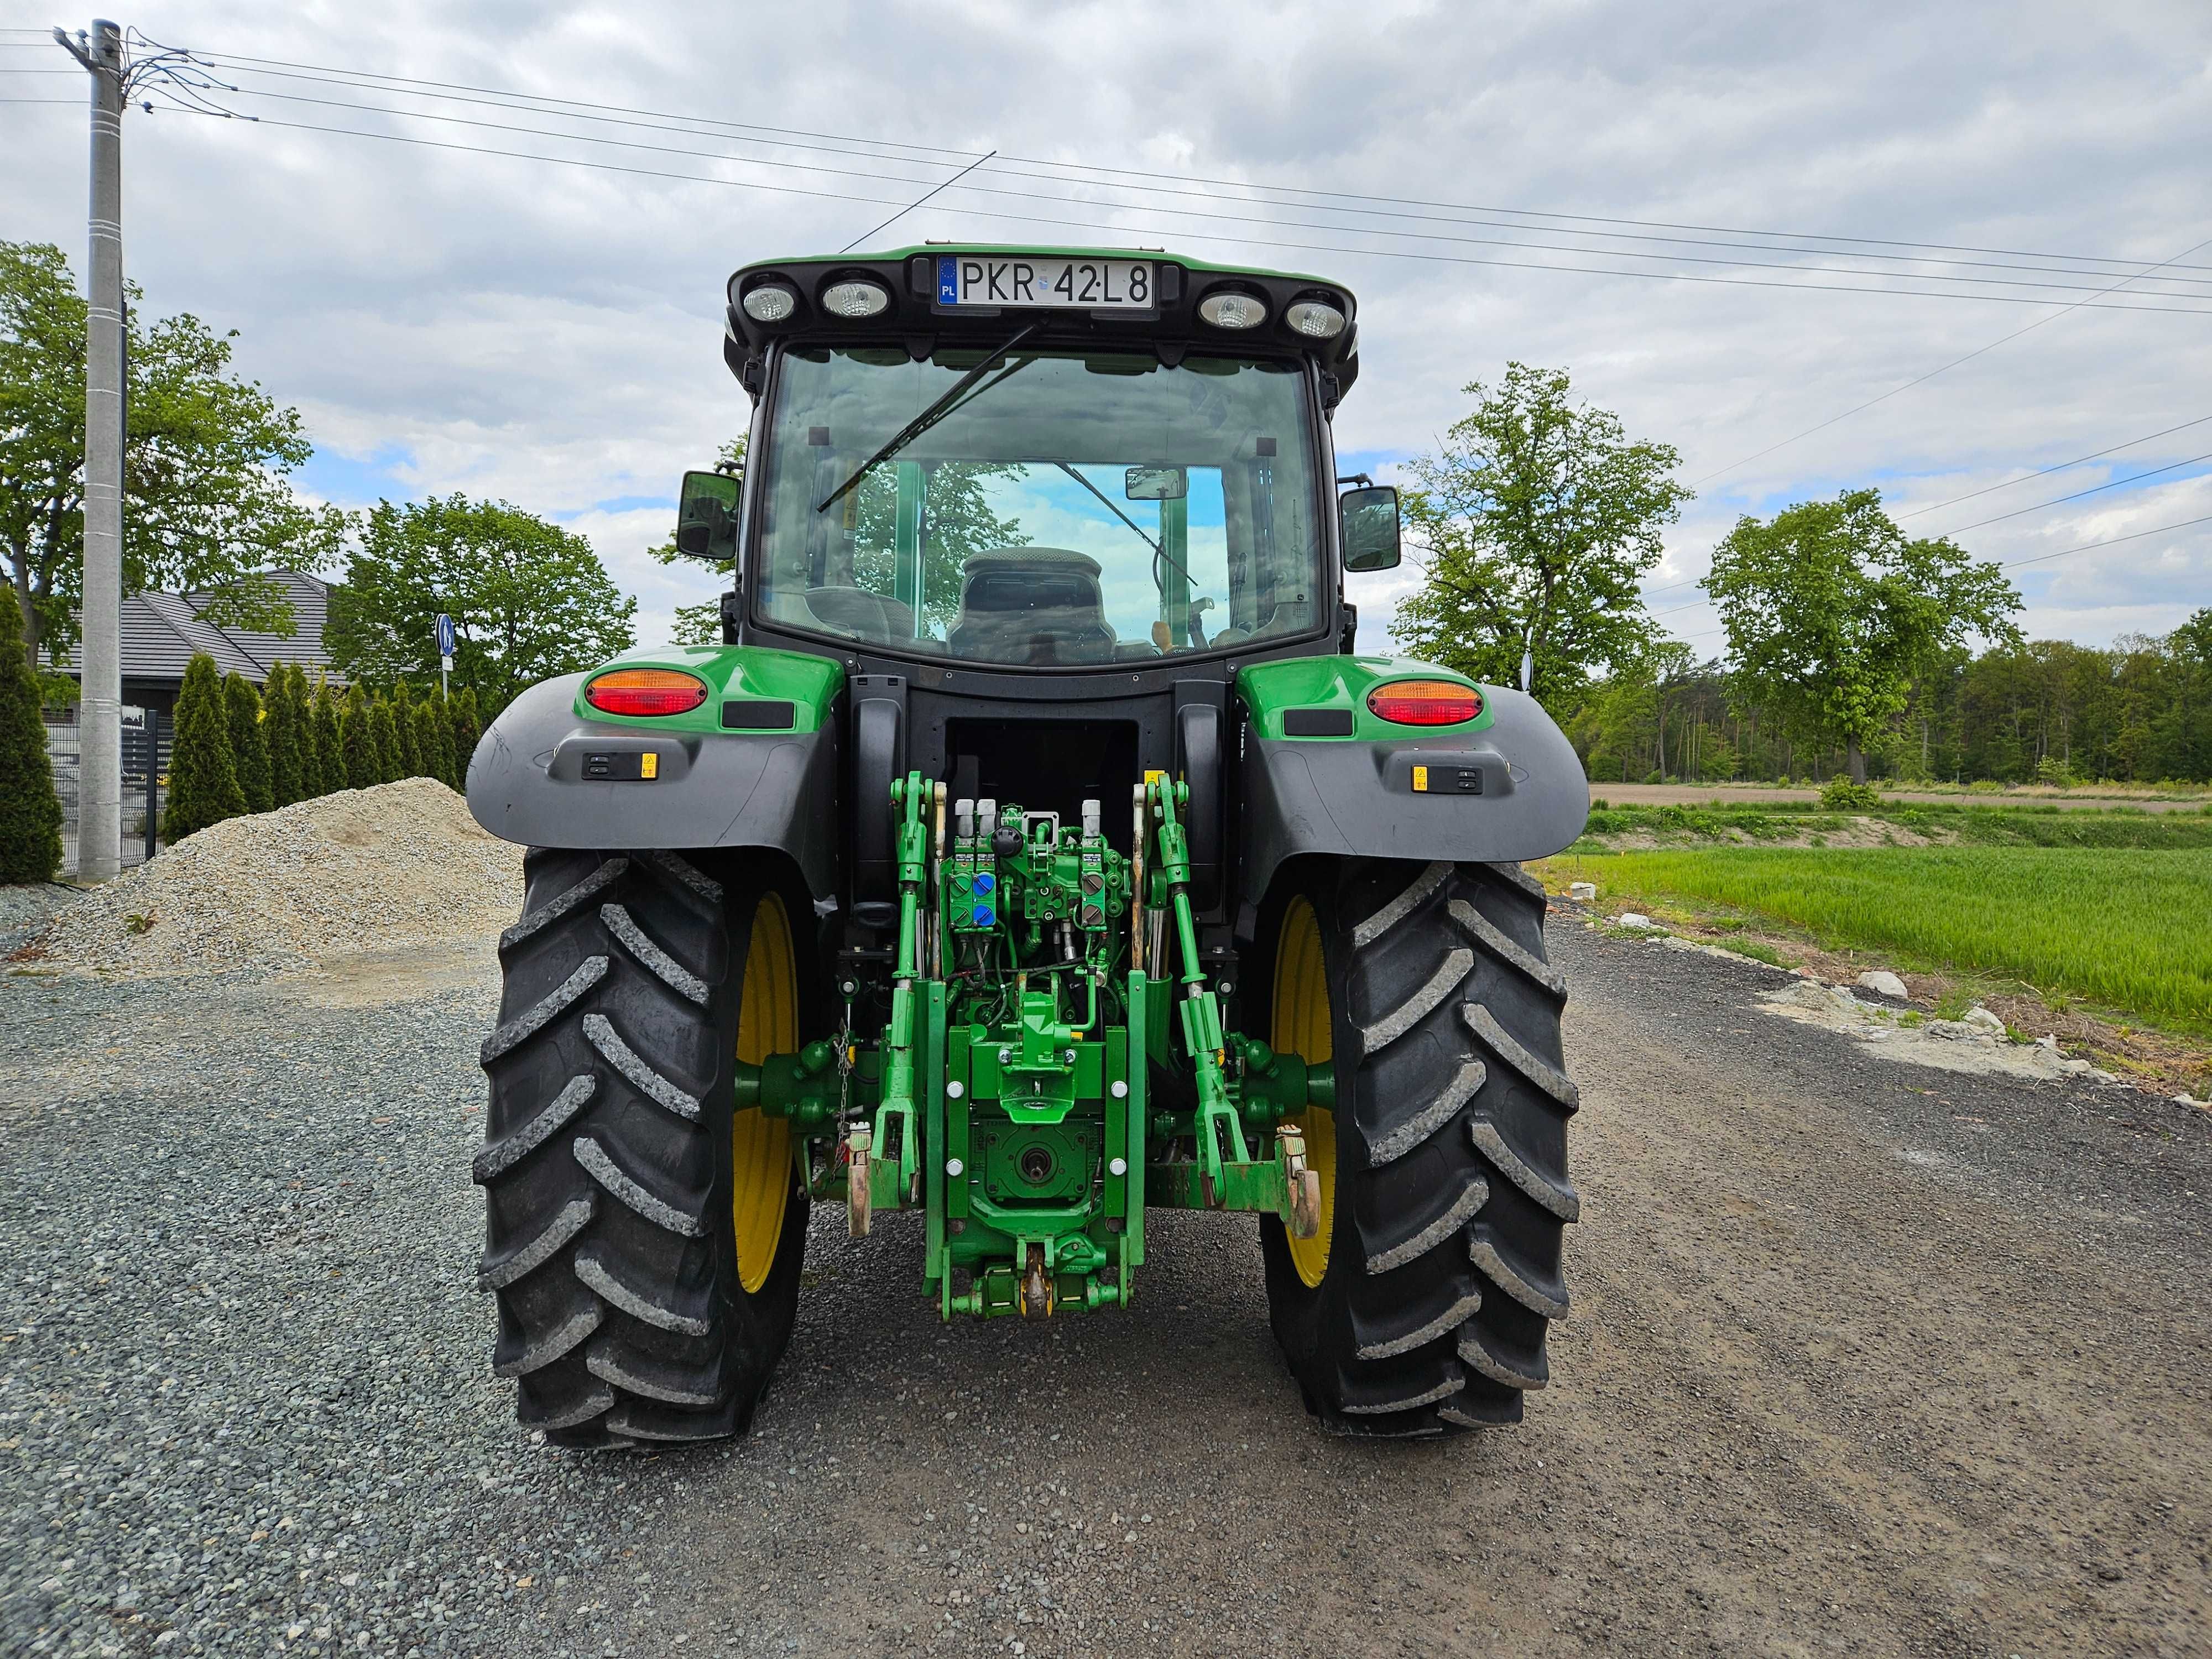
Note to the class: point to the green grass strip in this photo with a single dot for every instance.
(2130, 929)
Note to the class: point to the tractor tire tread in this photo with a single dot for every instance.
(1443, 1269)
(605, 1164)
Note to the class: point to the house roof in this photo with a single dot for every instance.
(311, 609)
(162, 632)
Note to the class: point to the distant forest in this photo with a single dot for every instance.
(2139, 713)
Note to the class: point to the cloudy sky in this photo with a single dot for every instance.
(549, 333)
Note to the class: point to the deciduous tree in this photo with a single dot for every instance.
(1535, 521)
(1830, 610)
(528, 599)
(207, 504)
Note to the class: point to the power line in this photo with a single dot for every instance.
(2046, 472)
(916, 203)
(682, 126)
(1202, 235)
(2110, 541)
(1587, 218)
(1184, 213)
(1920, 380)
(397, 82)
(618, 109)
(2094, 488)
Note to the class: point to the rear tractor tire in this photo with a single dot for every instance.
(1421, 1305)
(644, 1243)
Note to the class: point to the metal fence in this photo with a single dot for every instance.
(146, 742)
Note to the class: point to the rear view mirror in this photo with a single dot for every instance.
(1369, 520)
(1155, 483)
(707, 516)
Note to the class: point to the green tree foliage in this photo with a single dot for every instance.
(364, 756)
(281, 727)
(433, 741)
(207, 507)
(30, 811)
(406, 761)
(308, 757)
(330, 740)
(387, 740)
(1535, 521)
(204, 786)
(2138, 711)
(466, 729)
(1830, 611)
(249, 744)
(528, 599)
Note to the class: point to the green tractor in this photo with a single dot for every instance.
(1034, 855)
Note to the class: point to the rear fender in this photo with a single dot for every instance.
(1320, 773)
(756, 765)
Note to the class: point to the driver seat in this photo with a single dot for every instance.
(1031, 604)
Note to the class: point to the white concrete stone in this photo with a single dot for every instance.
(1633, 920)
(1584, 891)
(1883, 982)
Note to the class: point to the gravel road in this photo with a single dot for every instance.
(1863, 1359)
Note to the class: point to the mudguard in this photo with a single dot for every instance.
(1321, 773)
(756, 765)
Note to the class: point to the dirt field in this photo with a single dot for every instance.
(1737, 794)
(1864, 1359)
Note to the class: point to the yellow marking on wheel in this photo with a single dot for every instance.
(760, 1145)
(1302, 1027)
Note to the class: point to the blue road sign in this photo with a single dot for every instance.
(444, 636)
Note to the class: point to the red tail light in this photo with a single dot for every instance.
(645, 691)
(1426, 703)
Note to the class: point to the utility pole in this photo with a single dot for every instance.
(99, 764)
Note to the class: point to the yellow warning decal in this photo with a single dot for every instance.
(1421, 780)
(648, 765)
(1154, 776)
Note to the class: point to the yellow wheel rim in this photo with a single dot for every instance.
(1302, 1027)
(760, 1145)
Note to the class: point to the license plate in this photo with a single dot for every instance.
(973, 279)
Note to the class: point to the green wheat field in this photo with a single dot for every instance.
(2130, 929)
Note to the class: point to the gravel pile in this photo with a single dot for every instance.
(401, 865)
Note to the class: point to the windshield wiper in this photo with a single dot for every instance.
(1159, 553)
(929, 417)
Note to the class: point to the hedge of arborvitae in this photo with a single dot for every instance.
(281, 727)
(204, 786)
(30, 811)
(249, 744)
(239, 751)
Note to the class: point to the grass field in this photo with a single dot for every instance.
(1987, 826)
(2130, 929)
